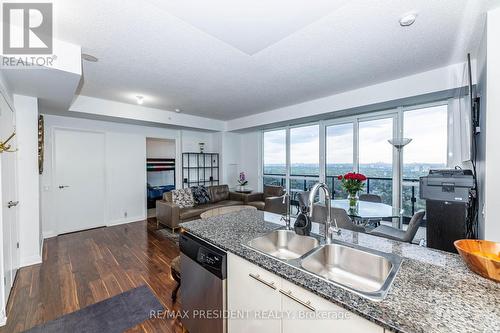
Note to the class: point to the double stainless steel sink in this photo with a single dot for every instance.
(364, 271)
(284, 244)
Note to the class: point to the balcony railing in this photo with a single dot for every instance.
(381, 186)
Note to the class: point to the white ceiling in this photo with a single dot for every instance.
(225, 59)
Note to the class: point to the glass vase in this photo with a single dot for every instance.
(353, 199)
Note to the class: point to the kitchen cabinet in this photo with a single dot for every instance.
(275, 305)
(252, 295)
(306, 311)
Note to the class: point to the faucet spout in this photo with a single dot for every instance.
(286, 218)
(329, 230)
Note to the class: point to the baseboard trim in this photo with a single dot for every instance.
(41, 248)
(49, 234)
(126, 220)
(3, 318)
(32, 260)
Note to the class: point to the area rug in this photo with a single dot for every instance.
(168, 233)
(113, 315)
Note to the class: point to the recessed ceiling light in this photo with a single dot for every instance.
(140, 99)
(407, 20)
(178, 110)
(88, 57)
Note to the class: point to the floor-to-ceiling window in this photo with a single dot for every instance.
(339, 154)
(274, 157)
(304, 157)
(299, 156)
(375, 159)
(426, 126)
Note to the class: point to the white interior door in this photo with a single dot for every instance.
(79, 170)
(8, 198)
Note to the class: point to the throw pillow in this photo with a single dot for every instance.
(200, 195)
(183, 198)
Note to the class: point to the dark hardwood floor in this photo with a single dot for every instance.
(86, 267)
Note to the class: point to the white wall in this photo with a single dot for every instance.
(5, 94)
(251, 158)
(125, 165)
(28, 179)
(160, 148)
(440, 79)
(492, 152)
(125, 177)
(5, 90)
(481, 138)
(229, 146)
(96, 107)
(191, 140)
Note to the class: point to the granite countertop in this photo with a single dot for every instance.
(433, 291)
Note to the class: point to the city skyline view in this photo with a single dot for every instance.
(424, 126)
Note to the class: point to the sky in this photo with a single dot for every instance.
(427, 127)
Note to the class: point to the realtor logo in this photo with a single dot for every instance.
(27, 28)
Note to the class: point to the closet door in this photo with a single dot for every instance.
(79, 188)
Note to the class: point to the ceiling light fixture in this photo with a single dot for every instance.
(178, 110)
(140, 99)
(88, 57)
(407, 20)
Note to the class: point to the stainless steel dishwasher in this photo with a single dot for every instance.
(203, 285)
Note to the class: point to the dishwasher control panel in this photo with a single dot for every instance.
(209, 258)
(206, 255)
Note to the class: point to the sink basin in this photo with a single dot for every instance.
(365, 271)
(284, 244)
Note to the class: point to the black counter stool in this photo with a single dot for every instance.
(175, 272)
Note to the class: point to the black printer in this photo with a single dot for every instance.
(452, 185)
(448, 195)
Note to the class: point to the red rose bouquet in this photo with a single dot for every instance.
(352, 183)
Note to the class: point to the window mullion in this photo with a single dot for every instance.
(322, 152)
(288, 166)
(356, 145)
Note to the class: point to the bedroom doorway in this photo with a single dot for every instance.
(160, 170)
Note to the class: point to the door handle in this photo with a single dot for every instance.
(11, 204)
(289, 294)
(258, 278)
(63, 186)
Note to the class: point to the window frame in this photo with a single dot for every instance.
(397, 115)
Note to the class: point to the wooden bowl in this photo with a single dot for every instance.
(481, 256)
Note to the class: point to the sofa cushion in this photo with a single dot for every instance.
(224, 203)
(260, 205)
(167, 196)
(183, 198)
(218, 193)
(200, 195)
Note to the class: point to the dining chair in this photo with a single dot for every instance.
(398, 234)
(370, 197)
(340, 215)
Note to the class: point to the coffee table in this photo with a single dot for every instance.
(224, 210)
